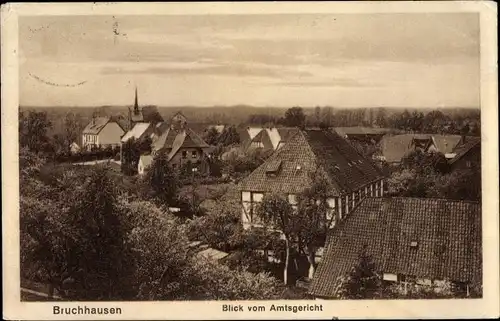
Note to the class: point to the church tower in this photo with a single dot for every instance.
(135, 116)
(136, 103)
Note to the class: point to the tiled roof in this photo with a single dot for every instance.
(96, 125)
(447, 235)
(464, 147)
(299, 157)
(446, 143)
(395, 147)
(136, 132)
(174, 140)
(349, 169)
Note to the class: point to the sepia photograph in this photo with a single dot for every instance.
(290, 159)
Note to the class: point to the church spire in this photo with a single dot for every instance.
(136, 103)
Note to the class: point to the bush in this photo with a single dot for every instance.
(87, 156)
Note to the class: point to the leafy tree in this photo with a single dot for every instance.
(276, 211)
(160, 252)
(412, 290)
(161, 183)
(425, 163)
(219, 227)
(98, 257)
(33, 131)
(313, 219)
(363, 282)
(295, 117)
(459, 185)
(229, 136)
(211, 136)
(130, 157)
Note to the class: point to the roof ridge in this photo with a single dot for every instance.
(427, 198)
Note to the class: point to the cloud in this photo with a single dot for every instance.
(214, 70)
(333, 82)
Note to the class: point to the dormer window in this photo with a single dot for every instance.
(273, 167)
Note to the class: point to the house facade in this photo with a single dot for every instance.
(288, 172)
(467, 154)
(272, 138)
(411, 240)
(101, 132)
(395, 147)
(182, 146)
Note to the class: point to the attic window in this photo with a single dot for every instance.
(413, 244)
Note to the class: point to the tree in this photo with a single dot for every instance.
(160, 252)
(161, 183)
(211, 136)
(33, 131)
(220, 227)
(381, 118)
(130, 157)
(363, 282)
(229, 136)
(98, 257)
(277, 212)
(425, 163)
(294, 117)
(313, 219)
(72, 127)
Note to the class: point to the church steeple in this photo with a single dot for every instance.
(136, 102)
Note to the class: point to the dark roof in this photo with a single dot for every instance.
(244, 135)
(447, 232)
(464, 147)
(395, 147)
(95, 125)
(346, 168)
(175, 139)
(286, 133)
(446, 143)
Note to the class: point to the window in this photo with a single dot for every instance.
(184, 154)
(468, 164)
(250, 200)
(292, 199)
(390, 277)
(194, 154)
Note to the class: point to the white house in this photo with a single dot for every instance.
(101, 132)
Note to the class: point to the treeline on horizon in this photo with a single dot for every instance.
(419, 120)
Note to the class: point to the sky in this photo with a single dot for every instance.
(340, 60)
